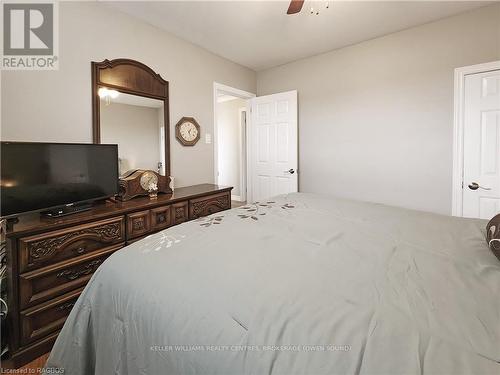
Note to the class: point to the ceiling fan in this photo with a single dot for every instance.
(296, 6)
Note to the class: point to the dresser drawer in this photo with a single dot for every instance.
(160, 218)
(52, 247)
(138, 224)
(42, 320)
(46, 283)
(180, 212)
(208, 205)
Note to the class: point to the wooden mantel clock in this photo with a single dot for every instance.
(187, 131)
(139, 182)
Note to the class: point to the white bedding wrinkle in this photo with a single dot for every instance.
(302, 284)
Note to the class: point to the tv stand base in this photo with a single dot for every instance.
(67, 210)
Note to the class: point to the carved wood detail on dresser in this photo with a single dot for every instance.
(181, 213)
(208, 205)
(67, 243)
(51, 260)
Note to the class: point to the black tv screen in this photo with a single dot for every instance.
(39, 176)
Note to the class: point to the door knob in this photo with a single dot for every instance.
(291, 171)
(475, 186)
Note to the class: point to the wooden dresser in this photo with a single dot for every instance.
(51, 260)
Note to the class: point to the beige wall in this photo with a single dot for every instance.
(56, 105)
(136, 130)
(228, 129)
(376, 118)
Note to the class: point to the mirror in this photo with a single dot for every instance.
(135, 123)
(130, 108)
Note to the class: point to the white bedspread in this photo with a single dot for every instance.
(306, 284)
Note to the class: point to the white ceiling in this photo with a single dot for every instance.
(259, 34)
(140, 101)
(221, 98)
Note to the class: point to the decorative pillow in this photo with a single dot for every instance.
(493, 235)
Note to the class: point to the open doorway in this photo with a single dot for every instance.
(230, 140)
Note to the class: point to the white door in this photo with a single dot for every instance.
(273, 147)
(481, 179)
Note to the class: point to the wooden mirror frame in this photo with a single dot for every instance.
(130, 77)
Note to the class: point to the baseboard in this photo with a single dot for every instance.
(24, 356)
(236, 198)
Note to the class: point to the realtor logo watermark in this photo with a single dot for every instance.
(30, 35)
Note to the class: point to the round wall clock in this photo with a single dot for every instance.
(187, 131)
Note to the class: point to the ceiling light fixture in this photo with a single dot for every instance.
(316, 11)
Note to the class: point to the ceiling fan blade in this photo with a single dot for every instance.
(295, 6)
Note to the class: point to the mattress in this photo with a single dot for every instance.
(298, 284)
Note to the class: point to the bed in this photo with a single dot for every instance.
(299, 284)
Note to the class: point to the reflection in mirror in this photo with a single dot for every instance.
(135, 123)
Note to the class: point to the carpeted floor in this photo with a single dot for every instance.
(235, 204)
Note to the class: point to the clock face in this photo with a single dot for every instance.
(189, 131)
(147, 179)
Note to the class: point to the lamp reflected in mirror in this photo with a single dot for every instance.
(107, 94)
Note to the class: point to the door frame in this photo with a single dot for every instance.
(242, 132)
(458, 130)
(219, 87)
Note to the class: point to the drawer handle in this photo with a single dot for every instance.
(81, 249)
(85, 270)
(66, 306)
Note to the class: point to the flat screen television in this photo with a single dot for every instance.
(48, 176)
